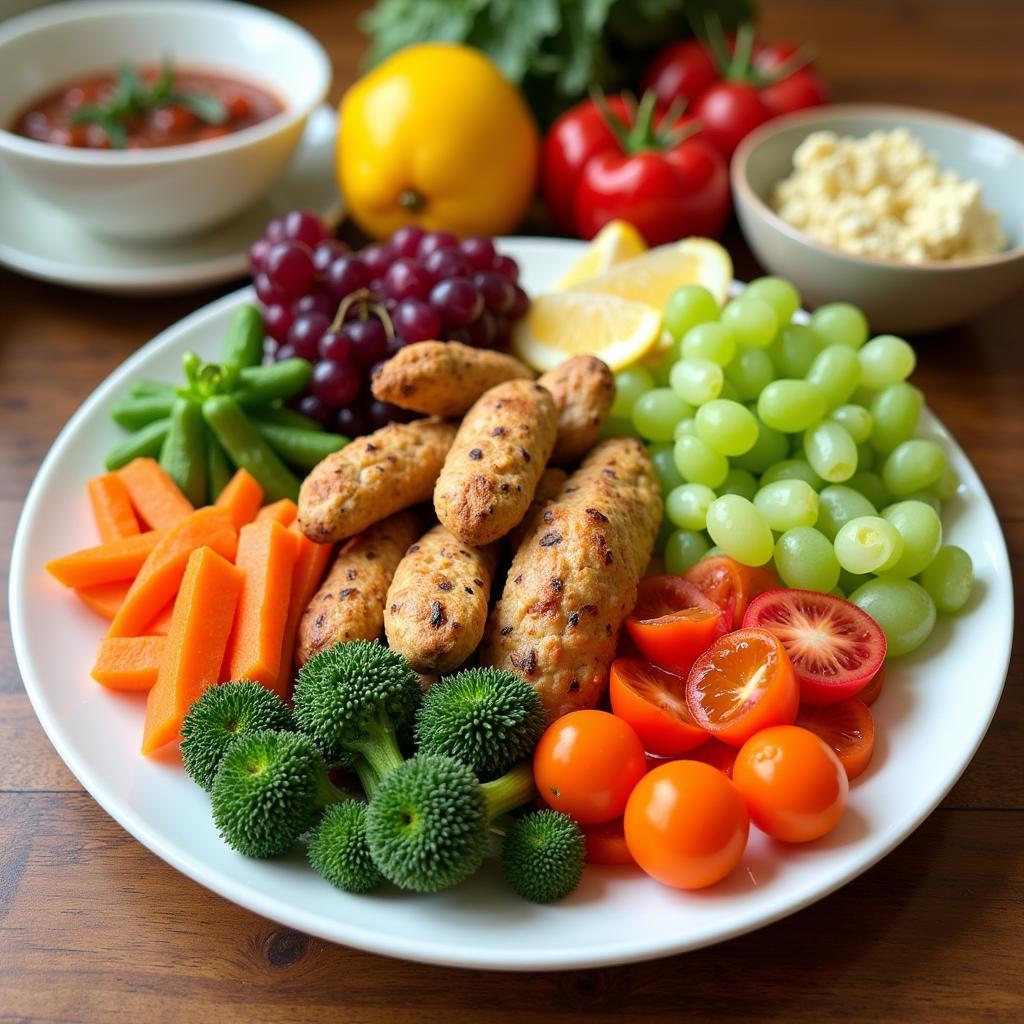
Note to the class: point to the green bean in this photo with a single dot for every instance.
(247, 449)
(146, 442)
(152, 389)
(243, 345)
(218, 466)
(301, 448)
(183, 455)
(133, 413)
(284, 417)
(264, 384)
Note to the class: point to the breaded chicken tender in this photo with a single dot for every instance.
(372, 478)
(436, 606)
(574, 578)
(443, 378)
(583, 389)
(551, 482)
(350, 603)
(491, 471)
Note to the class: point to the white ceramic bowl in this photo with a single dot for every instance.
(903, 297)
(178, 190)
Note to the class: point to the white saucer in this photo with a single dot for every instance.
(41, 241)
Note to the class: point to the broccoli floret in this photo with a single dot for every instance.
(542, 856)
(338, 849)
(219, 717)
(486, 718)
(269, 789)
(349, 699)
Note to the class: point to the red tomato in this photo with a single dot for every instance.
(606, 844)
(742, 683)
(847, 727)
(731, 584)
(798, 91)
(587, 763)
(793, 784)
(835, 647)
(715, 753)
(673, 621)
(680, 72)
(729, 112)
(686, 825)
(654, 703)
(871, 692)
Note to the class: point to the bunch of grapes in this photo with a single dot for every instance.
(348, 311)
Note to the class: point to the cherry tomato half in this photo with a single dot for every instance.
(654, 703)
(847, 727)
(742, 683)
(587, 763)
(731, 584)
(792, 782)
(873, 690)
(686, 825)
(606, 844)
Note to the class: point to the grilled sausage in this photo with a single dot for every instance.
(583, 389)
(549, 485)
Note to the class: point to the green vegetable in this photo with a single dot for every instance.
(282, 417)
(183, 455)
(218, 467)
(263, 384)
(243, 345)
(146, 442)
(134, 413)
(301, 448)
(487, 718)
(339, 852)
(542, 856)
(220, 718)
(151, 389)
(247, 449)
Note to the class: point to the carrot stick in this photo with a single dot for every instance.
(200, 626)
(116, 560)
(155, 496)
(104, 598)
(161, 625)
(284, 511)
(112, 507)
(129, 662)
(266, 556)
(160, 576)
(242, 496)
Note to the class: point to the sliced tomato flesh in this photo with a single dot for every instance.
(847, 727)
(873, 690)
(653, 702)
(730, 584)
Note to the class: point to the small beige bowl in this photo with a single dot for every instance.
(901, 297)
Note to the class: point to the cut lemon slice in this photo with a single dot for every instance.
(572, 323)
(616, 242)
(655, 275)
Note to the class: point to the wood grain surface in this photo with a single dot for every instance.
(93, 927)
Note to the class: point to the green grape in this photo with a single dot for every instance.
(751, 320)
(741, 482)
(871, 486)
(792, 469)
(805, 558)
(857, 421)
(687, 426)
(696, 380)
(698, 463)
(663, 458)
(949, 578)
(895, 410)
(866, 457)
(728, 428)
(770, 447)
(830, 451)
(913, 466)
(839, 323)
(930, 498)
(683, 550)
(688, 306)
(662, 370)
(750, 372)
(630, 384)
(791, 405)
(885, 360)
(687, 505)
(656, 414)
(786, 504)
(778, 293)
(948, 484)
(712, 341)
(613, 427)
(715, 551)
(836, 371)
(868, 544)
(903, 608)
(863, 396)
(850, 581)
(837, 505)
(737, 527)
(794, 350)
(729, 392)
(921, 529)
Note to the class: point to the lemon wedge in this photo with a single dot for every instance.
(561, 325)
(617, 241)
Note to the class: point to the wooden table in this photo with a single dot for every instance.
(93, 927)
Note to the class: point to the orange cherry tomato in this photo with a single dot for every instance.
(587, 763)
(717, 754)
(742, 683)
(731, 584)
(606, 844)
(673, 622)
(794, 785)
(871, 692)
(653, 701)
(686, 825)
(847, 727)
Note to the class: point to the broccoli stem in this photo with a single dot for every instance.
(327, 792)
(511, 790)
(377, 756)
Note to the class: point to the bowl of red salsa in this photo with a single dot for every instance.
(157, 120)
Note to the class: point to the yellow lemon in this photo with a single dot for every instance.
(617, 241)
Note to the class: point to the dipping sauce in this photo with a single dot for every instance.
(145, 108)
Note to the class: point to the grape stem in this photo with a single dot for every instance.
(364, 297)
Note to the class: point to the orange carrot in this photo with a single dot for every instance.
(161, 625)
(104, 598)
(155, 496)
(200, 627)
(160, 576)
(284, 511)
(266, 556)
(116, 560)
(242, 496)
(129, 662)
(112, 507)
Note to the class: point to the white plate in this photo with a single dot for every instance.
(936, 707)
(39, 240)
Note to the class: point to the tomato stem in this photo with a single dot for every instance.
(649, 132)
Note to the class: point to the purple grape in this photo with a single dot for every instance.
(319, 300)
(337, 384)
(416, 321)
(381, 413)
(498, 292)
(353, 421)
(267, 292)
(522, 304)
(284, 352)
(369, 341)
(278, 322)
(407, 279)
(482, 331)
(274, 231)
(303, 226)
(258, 254)
(311, 406)
(336, 346)
(502, 332)
(377, 287)
(405, 241)
(457, 301)
(326, 252)
(435, 240)
(459, 334)
(346, 275)
(445, 263)
(507, 267)
(395, 345)
(306, 333)
(378, 258)
(290, 268)
(479, 251)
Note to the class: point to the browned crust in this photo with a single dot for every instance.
(583, 389)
